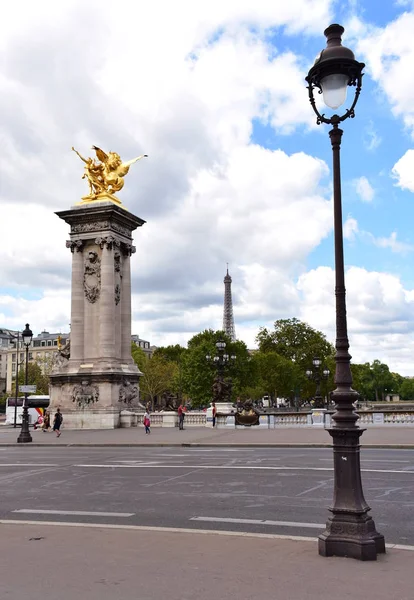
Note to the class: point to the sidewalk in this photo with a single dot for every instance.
(46, 562)
(390, 436)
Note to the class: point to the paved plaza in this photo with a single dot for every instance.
(42, 562)
(116, 514)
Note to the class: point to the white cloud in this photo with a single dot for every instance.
(380, 314)
(389, 54)
(364, 189)
(403, 171)
(350, 229)
(392, 243)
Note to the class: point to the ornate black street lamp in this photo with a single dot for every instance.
(350, 531)
(221, 389)
(25, 436)
(317, 376)
(221, 359)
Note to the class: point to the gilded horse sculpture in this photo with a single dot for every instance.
(106, 176)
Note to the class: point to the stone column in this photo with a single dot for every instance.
(77, 303)
(107, 301)
(126, 303)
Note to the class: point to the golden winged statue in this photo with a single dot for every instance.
(106, 176)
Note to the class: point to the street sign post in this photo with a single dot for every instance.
(27, 389)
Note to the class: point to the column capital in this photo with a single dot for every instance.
(127, 249)
(78, 244)
(109, 241)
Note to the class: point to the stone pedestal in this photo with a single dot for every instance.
(99, 379)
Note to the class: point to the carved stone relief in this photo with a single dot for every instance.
(117, 293)
(92, 277)
(78, 245)
(109, 241)
(93, 226)
(128, 393)
(99, 226)
(85, 395)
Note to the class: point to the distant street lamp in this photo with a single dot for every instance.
(16, 391)
(350, 531)
(220, 361)
(317, 376)
(25, 436)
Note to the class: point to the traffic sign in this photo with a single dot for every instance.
(27, 389)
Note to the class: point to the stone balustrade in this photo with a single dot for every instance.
(314, 418)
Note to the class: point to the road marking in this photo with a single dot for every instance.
(243, 534)
(29, 465)
(259, 522)
(227, 467)
(83, 513)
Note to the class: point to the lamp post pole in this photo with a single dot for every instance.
(350, 530)
(17, 337)
(25, 436)
(317, 377)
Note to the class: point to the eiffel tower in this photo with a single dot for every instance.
(228, 319)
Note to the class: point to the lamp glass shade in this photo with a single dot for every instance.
(317, 362)
(216, 358)
(27, 335)
(233, 357)
(308, 373)
(334, 88)
(326, 372)
(208, 357)
(220, 345)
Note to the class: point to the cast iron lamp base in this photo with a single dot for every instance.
(24, 436)
(350, 531)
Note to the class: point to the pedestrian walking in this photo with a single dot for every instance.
(57, 422)
(46, 422)
(147, 422)
(181, 416)
(214, 412)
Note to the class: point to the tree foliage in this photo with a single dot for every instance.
(35, 376)
(157, 374)
(198, 373)
(296, 341)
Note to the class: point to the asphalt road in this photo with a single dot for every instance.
(273, 490)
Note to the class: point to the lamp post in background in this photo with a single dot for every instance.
(221, 388)
(17, 338)
(25, 436)
(317, 376)
(350, 531)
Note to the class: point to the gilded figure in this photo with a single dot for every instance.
(107, 175)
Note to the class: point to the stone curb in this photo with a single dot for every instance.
(195, 445)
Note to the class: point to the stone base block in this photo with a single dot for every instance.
(91, 419)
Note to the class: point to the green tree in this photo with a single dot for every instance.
(158, 374)
(198, 373)
(295, 341)
(35, 377)
(407, 389)
(382, 379)
(277, 375)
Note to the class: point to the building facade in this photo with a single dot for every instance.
(43, 350)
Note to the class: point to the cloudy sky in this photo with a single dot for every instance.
(238, 170)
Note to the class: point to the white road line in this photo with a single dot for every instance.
(243, 534)
(29, 465)
(259, 522)
(78, 513)
(227, 467)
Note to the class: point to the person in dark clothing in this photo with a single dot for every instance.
(214, 412)
(57, 422)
